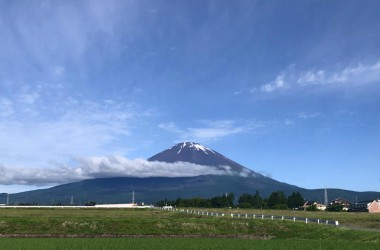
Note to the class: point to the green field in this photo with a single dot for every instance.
(179, 243)
(346, 219)
(122, 228)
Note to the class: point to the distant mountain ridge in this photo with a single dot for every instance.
(238, 179)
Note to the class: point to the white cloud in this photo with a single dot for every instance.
(58, 127)
(170, 127)
(120, 166)
(288, 122)
(29, 98)
(44, 39)
(311, 77)
(98, 167)
(212, 130)
(205, 134)
(349, 76)
(6, 107)
(277, 84)
(306, 115)
(353, 74)
(59, 71)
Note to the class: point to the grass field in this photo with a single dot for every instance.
(354, 220)
(106, 228)
(180, 243)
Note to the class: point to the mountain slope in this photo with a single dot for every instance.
(238, 180)
(150, 190)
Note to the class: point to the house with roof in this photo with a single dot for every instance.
(372, 206)
(340, 201)
(317, 205)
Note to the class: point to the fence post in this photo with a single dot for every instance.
(238, 215)
(294, 219)
(282, 217)
(254, 216)
(232, 215)
(318, 221)
(246, 215)
(327, 222)
(306, 220)
(272, 217)
(262, 217)
(336, 223)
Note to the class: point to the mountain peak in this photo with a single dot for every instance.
(192, 146)
(201, 155)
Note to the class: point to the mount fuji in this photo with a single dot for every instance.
(229, 176)
(198, 154)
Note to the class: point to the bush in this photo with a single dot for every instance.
(312, 208)
(335, 208)
(245, 205)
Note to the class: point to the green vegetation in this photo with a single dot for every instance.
(277, 200)
(250, 201)
(335, 208)
(295, 200)
(215, 202)
(91, 222)
(360, 220)
(176, 243)
(312, 208)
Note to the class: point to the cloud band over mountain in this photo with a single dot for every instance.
(98, 167)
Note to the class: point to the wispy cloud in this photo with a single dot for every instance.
(41, 125)
(212, 130)
(276, 84)
(350, 76)
(6, 107)
(29, 98)
(170, 127)
(306, 115)
(353, 75)
(288, 122)
(37, 35)
(99, 167)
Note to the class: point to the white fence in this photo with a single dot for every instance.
(256, 216)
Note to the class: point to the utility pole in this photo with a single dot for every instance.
(7, 199)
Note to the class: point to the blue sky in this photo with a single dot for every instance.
(289, 89)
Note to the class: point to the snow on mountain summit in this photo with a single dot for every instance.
(192, 146)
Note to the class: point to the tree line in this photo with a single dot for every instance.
(277, 200)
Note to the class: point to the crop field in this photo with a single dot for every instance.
(179, 243)
(147, 228)
(353, 220)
